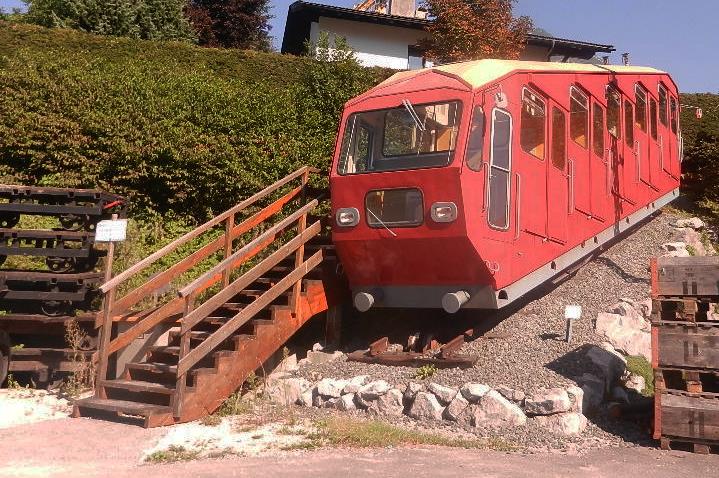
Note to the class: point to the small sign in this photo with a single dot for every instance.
(573, 312)
(699, 113)
(111, 230)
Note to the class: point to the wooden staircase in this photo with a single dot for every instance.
(225, 325)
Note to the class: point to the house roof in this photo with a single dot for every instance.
(301, 15)
(482, 72)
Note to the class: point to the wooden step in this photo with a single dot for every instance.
(138, 386)
(152, 367)
(122, 406)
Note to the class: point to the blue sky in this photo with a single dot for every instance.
(679, 37)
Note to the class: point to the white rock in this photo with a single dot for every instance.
(473, 392)
(426, 406)
(693, 223)
(456, 407)
(346, 402)
(673, 246)
(563, 423)
(547, 402)
(695, 244)
(514, 396)
(306, 398)
(286, 390)
(389, 403)
(634, 382)
(411, 391)
(355, 384)
(318, 358)
(443, 394)
(373, 390)
(576, 398)
(288, 364)
(495, 411)
(331, 388)
(317, 347)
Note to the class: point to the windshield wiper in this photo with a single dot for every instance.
(410, 109)
(381, 222)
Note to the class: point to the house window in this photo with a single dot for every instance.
(499, 171)
(629, 122)
(415, 58)
(614, 111)
(598, 130)
(475, 143)
(663, 104)
(641, 102)
(533, 124)
(578, 116)
(559, 138)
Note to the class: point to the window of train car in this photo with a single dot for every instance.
(578, 116)
(395, 139)
(663, 105)
(559, 138)
(533, 120)
(598, 129)
(629, 123)
(614, 112)
(653, 118)
(641, 102)
(674, 115)
(394, 208)
(475, 143)
(499, 171)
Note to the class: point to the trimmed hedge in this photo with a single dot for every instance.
(172, 126)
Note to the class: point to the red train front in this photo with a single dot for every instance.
(468, 185)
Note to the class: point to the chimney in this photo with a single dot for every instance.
(402, 8)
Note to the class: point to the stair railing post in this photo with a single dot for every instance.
(300, 254)
(229, 226)
(184, 350)
(106, 327)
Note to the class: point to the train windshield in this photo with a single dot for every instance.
(408, 137)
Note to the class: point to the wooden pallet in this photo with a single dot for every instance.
(686, 309)
(685, 344)
(677, 443)
(685, 380)
(686, 417)
(685, 277)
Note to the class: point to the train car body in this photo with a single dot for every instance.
(468, 185)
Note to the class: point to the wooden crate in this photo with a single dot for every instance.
(685, 276)
(693, 345)
(683, 416)
(705, 382)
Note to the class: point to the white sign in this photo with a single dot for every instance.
(573, 312)
(111, 231)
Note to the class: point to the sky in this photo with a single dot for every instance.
(681, 38)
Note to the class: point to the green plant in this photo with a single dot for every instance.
(691, 250)
(83, 375)
(638, 365)
(17, 347)
(425, 371)
(173, 454)
(13, 384)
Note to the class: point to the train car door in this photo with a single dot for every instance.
(631, 167)
(673, 145)
(655, 158)
(641, 133)
(668, 156)
(557, 177)
(578, 150)
(615, 148)
(600, 189)
(532, 163)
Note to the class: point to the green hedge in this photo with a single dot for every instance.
(172, 126)
(701, 148)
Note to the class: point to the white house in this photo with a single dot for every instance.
(386, 33)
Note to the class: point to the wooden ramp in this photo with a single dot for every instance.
(276, 273)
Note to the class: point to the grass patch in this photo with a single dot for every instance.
(639, 365)
(374, 433)
(425, 371)
(234, 405)
(691, 250)
(173, 454)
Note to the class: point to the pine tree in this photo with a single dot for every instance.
(231, 23)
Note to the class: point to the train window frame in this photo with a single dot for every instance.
(507, 198)
(613, 115)
(473, 149)
(628, 122)
(522, 130)
(674, 114)
(394, 225)
(653, 121)
(563, 137)
(572, 100)
(453, 141)
(639, 89)
(596, 106)
(663, 93)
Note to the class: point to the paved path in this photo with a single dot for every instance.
(89, 448)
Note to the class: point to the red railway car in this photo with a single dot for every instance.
(467, 185)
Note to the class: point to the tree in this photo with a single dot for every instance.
(240, 24)
(143, 19)
(464, 30)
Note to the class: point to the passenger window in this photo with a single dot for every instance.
(653, 117)
(674, 115)
(629, 122)
(499, 172)
(614, 107)
(533, 124)
(598, 130)
(475, 143)
(578, 117)
(663, 106)
(559, 138)
(641, 102)
(355, 156)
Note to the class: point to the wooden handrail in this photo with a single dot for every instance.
(230, 262)
(144, 263)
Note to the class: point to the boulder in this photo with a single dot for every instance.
(514, 396)
(373, 390)
(318, 358)
(389, 403)
(443, 394)
(609, 362)
(495, 411)
(331, 403)
(576, 398)
(694, 243)
(473, 392)
(411, 391)
(355, 384)
(571, 423)
(286, 390)
(331, 388)
(317, 347)
(426, 406)
(456, 407)
(347, 402)
(674, 249)
(693, 223)
(306, 398)
(619, 394)
(287, 364)
(593, 389)
(547, 402)
(317, 400)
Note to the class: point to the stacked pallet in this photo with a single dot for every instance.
(58, 275)
(685, 352)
